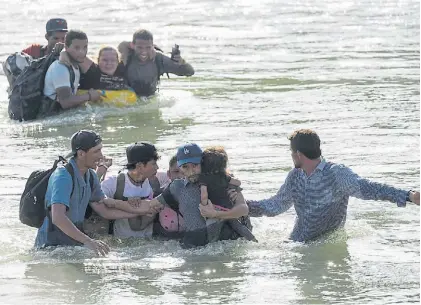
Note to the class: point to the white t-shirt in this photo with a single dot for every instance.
(122, 226)
(58, 76)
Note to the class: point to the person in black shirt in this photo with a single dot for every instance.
(215, 181)
(108, 74)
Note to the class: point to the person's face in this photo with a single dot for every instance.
(91, 158)
(174, 172)
(108, 62)
(143, 49)
(296, 158)
(54, 38)
(149, 169)
(78, 49)
(191, 171)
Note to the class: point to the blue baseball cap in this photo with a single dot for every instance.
(189, 153)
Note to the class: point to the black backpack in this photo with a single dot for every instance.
(26, 94)
(32, 209)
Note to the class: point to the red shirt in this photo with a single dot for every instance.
(35, 50)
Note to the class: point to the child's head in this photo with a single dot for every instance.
(214, 160)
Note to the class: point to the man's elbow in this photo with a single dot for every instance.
(65, 104)
(56, 219)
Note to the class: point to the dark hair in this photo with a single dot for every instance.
(142, 35)
(74, 34)
(144, 160)
(214, 160)
(173, 161)
(107, 48)
(307, 142)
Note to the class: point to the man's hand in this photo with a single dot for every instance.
(208, 211)
(124, 48)
(145, 206)
(178, 59)
(103, 166)
(415, 197)
(64, 59)
(233, 195)
(58, 47)
(99, 247)
(94, 95)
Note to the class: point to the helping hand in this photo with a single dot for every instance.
(208, 211)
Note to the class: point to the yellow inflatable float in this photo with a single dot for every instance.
(117, 98)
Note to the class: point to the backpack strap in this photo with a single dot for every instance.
(71, 171)
(121, 182)
(69, 168)
(159, 62)
(72, 78)
(88, 212)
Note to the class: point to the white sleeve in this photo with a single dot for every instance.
(60, 76)
(109, 186)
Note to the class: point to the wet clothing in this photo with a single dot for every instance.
(218, 185)
(144, 77)
(184, 196)
(321, 199)
(59, 191)
(95, 79)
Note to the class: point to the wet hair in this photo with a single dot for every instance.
(107, 48)
(142, 35)
(74, 34)
(173, 161)
(214, 160)
(307, 142)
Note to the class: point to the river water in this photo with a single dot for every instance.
(348, 69)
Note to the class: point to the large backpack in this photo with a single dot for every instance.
(14, 65)
(26, 94)
(32, 209)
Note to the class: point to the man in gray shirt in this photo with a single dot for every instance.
(144, 66)
(320, 190)
(183, 195)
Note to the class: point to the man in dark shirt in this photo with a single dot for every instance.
(144, 65)
(56, 31)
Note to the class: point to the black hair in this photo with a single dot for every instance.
(74, 34)
(307, 142)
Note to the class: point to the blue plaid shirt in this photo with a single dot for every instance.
(321, 199)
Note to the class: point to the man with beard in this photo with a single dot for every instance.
(183, 196)
(319, 190)
(61, 82)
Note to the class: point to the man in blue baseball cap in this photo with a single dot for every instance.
(189, 157)
(183, 195)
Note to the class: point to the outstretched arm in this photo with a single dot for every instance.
(277, 204)
(356, 186)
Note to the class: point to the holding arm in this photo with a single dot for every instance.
(277, 204)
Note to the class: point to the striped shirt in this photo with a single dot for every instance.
(321, 199)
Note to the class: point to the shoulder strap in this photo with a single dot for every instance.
(69, 168)
(72, 78)
(159, 62)
(91, 179)
(121, 181)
